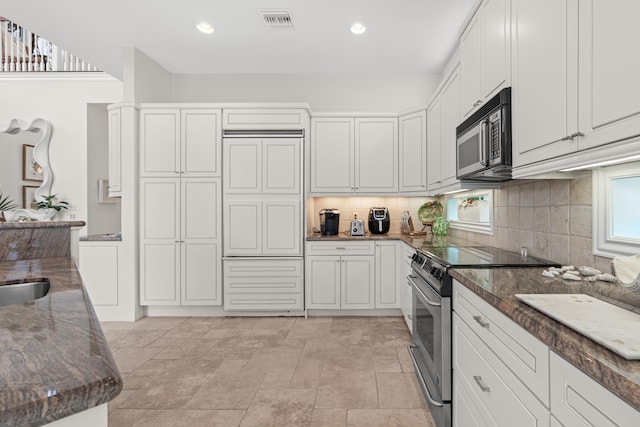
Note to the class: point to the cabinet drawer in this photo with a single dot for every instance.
(262, 302)
(494, 392)
(577, 400)
(264, 119)
(521, 352)
(364, 247)
(262, 268)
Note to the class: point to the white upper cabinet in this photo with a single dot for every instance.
(485, 51)
(609, 63)
(413, 152)
(443, 115)
(545, 73)
(183, 142)
(354, 155)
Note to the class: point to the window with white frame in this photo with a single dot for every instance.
(472, 211)
(616, 210)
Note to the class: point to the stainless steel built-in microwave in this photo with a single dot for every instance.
(484, 142)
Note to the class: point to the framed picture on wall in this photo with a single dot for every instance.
(103, 192)
(31, 170)
(29, 197)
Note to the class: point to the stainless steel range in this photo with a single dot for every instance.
(431, 283)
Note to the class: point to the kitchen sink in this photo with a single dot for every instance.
(17, 292)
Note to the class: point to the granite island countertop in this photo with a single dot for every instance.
(499, 286)
(54, 360)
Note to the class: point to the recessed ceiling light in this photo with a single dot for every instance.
(205, 28)
(358, 28)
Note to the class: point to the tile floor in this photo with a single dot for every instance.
(273, 371)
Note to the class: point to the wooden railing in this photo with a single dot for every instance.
(22, 50)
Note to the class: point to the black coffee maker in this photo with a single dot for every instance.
(329, 222)
(379, 220)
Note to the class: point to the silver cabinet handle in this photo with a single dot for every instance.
(573, 135)
(480, 322)
(422, 383)
(483, 387)
(341, 247)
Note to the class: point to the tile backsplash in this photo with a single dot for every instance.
(552, 218)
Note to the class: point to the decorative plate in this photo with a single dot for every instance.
(430, 211)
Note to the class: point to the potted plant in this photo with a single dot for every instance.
(50, 206)
(6, 204)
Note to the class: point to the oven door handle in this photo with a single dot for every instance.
(434, 402)
(415, 286)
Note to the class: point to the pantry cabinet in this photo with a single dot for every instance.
(354, 155)
(485, 54)
(180, 251)
(413, 152)
(340, 275)
(180, 142)
(443, 115)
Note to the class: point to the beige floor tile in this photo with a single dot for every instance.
(307, 373)
(405, 359)
(308, 328)
(146, 373)
(159, 322)
(387, 365)
(227, 390)
(388, 418)
(329, 418)
(117, 325)
(347, 383)
(128, 359)
(134, 337)
(184, 348)
(254, 338)
(189, 330)
(272, 323)
(280, 408)
(349, 323)
(121, 397)
(275, 359)
(373, 352)
(398, 391)
(276, 380)
(330, 345)
(152, 418)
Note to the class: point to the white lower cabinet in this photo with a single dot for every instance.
(577, 400)
(337, 281)
(98, 267)
(405, 289)
(263, 284)
(180, 252)
(387, 266)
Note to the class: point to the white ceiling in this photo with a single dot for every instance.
(403, 36)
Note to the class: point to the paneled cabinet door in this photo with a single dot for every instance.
(609, 64)
(99, 269)
(387, 265)
(160, 142)
(160, 241)
(322, 281)
(201, 260)
(357, 282)
(243, 166)
(470, 59)
(115, 153)
(545, 79)
(449, 119)
(376, 154)
(281, 166)
(242, 227)
(413, 152)
(281, 228)
(434, 168)
(332, 151)
(200, 138)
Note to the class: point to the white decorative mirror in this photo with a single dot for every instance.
(26, 170)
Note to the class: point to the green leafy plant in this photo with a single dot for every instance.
(49, 203)
(6, 203)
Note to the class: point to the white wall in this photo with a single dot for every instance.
(144, 80)
(64, 103)
(101, 217)
(323, 92)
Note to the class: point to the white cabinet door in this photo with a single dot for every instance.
(545, 79)
(201, 271)
(322, 282)
(413, 152)
(243, 166)
(495, 47)
(357, 282)
(160, 241)
(332, 151)
(387, 266)
(609, 64)
(281, 166)
(200, 142)
(579, 401)
(449, 119)
(434, 171)
(470, 68)
(159, 142)
(242, 227)
(115, 153)
(99, 270)
(281, 228)
(376, 154)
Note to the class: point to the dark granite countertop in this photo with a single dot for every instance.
(499, 286)
(54, 360)
(417, 242)
(41, 224)
(111, 237)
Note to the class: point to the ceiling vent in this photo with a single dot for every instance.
(277, 18)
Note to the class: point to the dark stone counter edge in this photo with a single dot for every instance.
(41, 224)
(591, 358)
(101, 238)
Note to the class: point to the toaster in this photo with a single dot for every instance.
(357, 227)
